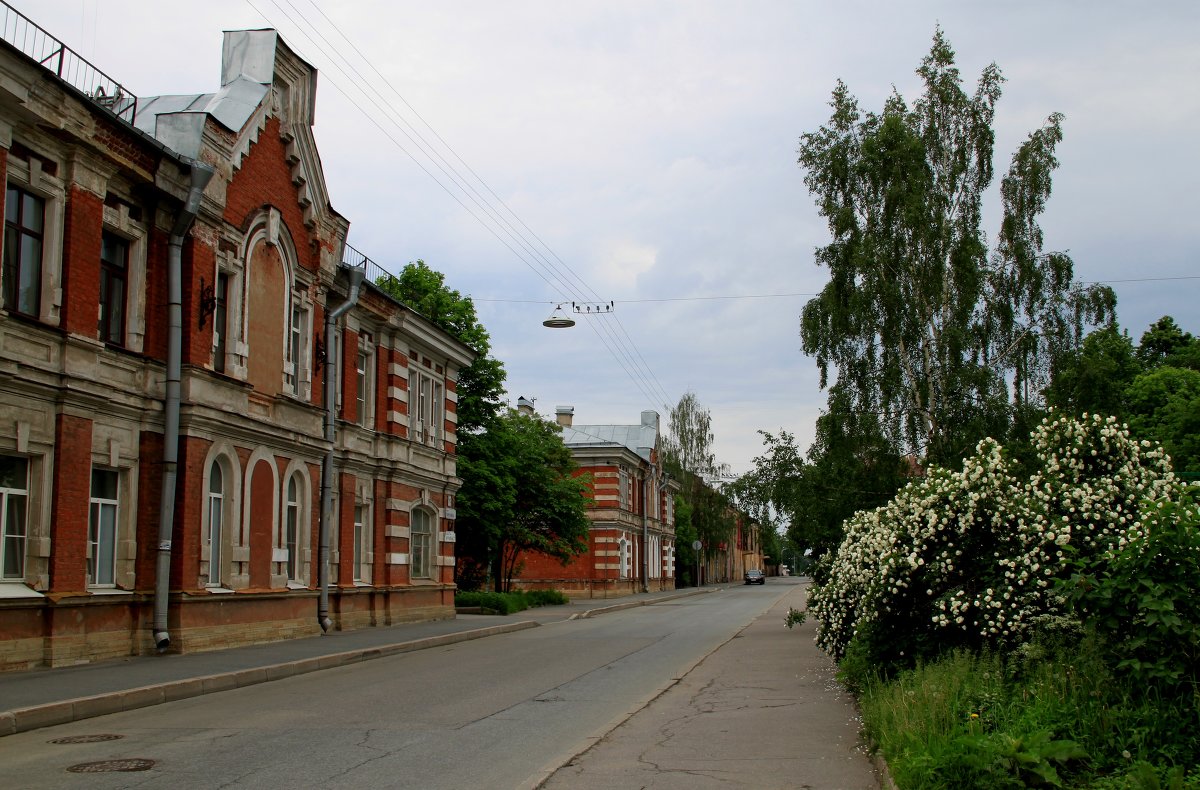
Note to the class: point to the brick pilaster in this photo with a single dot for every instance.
(69, 502)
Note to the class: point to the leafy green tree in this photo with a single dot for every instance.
(926, 329)
(1164, 405)
(685, 536)
(1164, 343)
(481, 384)
(1094, 379)
(688, 457)
(522, 493)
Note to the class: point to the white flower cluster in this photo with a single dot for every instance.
(970, 557)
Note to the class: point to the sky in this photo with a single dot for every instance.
(644, 154)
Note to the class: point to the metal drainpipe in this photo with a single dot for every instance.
(645, 539)
(354, 276)
(201, 174)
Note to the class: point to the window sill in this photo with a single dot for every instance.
(295, 585)
(219, 590)
(18, 590)
(107, 591)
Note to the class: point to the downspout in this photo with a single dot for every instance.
(201, 174)
(354, 276)
(645, 537)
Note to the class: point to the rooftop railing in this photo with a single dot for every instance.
(375, 273)
(66, 64)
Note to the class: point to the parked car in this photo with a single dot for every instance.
(755, 577)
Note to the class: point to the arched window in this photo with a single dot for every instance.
(292, 528)
(421, 541)
(625, 559)
(216, 519)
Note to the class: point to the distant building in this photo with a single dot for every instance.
(108, 284)
(631, 541)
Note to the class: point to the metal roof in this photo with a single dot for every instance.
(640, 439)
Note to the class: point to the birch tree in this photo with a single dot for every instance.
(941, 338)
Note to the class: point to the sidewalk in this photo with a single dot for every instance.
(47, 697)
(764, 710)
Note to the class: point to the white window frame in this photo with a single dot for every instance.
(421, 545)
(626, 489)
(297, 352)
(28, 175)
(363, 559)
(427, 404)
(293, 525)
(100, 506)
(8, 540)
(219, 575)
(364, 366)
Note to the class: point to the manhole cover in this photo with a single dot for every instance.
(88, 738)
(106, 766)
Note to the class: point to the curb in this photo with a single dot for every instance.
(54, 713)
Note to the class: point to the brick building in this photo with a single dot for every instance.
(631, 540)
(165, 365)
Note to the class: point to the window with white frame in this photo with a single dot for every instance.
(626, 491)
(14, 508)
(297, 366)
(364, 377)
(362, 542)
(24, 237)
(626, 559)
(102, 528)
(292, 514)
(421, 544)
(426, 395)
(214, 534)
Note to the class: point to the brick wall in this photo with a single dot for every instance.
(69, 502)
(265, 179)
(82, 226)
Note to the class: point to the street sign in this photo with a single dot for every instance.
(697, 545)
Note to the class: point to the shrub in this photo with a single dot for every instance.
(970, 558)
(1141, 597)
(510, 602)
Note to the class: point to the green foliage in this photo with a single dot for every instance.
(1164, 405)
(687, 456)
(509, 602)
(1140, 597)
(1094, 379)
(481, 384)
(685, 536)
(522, 493)
(969, 558)
(795, 617)
(979, 721)
(1164, 343)
(923, 326)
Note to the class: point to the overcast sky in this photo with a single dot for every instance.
(649, 148)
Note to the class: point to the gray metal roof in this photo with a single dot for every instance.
(640, 439)
(247, 68)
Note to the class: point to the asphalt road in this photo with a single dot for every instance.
(492, 713)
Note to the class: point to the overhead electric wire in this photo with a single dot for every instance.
(641, 375)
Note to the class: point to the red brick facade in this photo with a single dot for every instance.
(263, 257)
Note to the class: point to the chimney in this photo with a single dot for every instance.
(564, 415)
(650, 420)
(525, 406)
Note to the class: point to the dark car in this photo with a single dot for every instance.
(755, 577)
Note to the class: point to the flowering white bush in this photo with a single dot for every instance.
(970, 558)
